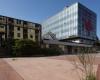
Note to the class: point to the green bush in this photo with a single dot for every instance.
(29, 48)
(90, 77)
(50, 52)
(24, 48)
(86, 62)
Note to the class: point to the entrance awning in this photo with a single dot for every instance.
(65, 43)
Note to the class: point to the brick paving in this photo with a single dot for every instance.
(7, 72)
(74, 58)
(98, 72)
(45, 68)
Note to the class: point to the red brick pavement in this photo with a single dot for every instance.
(7, 72)
(71, 58)
(98, 72)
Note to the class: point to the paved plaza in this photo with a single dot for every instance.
(43, 68)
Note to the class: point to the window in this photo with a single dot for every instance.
(18, 21)
(31, 36)
(25, 22)
(1, 26)
(18, 28)
(18, 34)
(11, 20)
(25, 33)
(0, 17)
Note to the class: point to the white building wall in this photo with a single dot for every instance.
(63, 24)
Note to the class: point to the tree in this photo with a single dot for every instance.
(85, 65)
(25, 47)
(30, 48)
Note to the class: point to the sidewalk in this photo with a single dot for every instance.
(44, 68)
(98, 72)
(7, 72)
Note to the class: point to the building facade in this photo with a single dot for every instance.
(11, 28)
(74, 23)
(68, 47)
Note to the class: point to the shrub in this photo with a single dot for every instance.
(86, 60)
(50, 52)
(29, 48)
(90, 77)
(24, 48)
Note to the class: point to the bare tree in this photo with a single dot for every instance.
(85, 63)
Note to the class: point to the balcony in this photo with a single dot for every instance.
(20, 25)
(10, 21)
(2, 21)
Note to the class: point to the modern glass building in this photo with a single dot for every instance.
(74, 23)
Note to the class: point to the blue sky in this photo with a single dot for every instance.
(39, 10)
